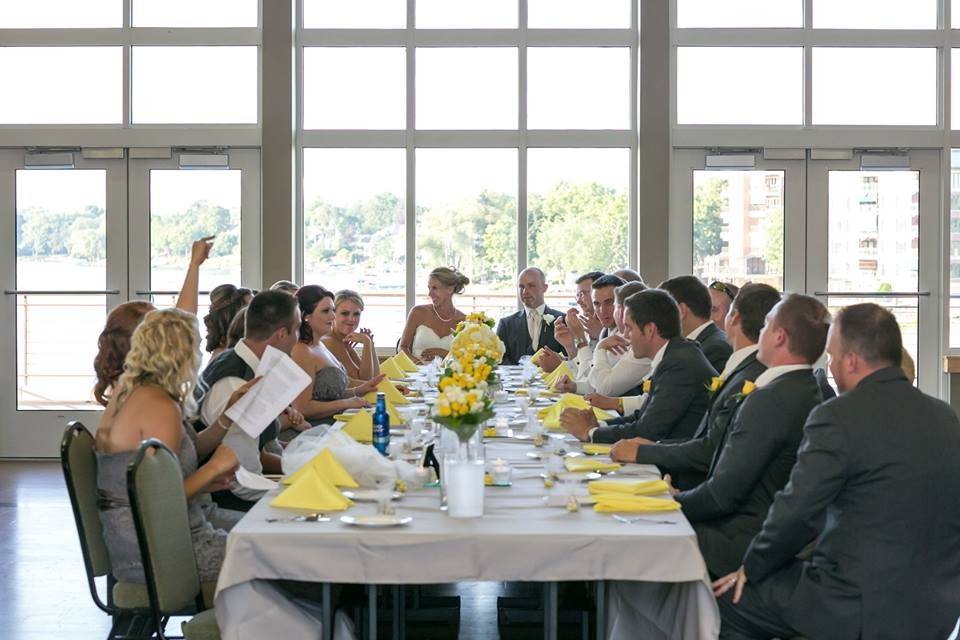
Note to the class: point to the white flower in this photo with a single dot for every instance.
(549, 319)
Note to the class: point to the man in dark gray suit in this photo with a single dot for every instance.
(687, 462)
(526, 331)
(752, 462)
(695, 305)
(675, 393)
(875, 488)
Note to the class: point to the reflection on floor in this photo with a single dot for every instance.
(43, 591)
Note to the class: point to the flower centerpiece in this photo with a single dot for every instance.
(477, 331)
(463, 404)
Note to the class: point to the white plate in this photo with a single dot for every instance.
(376, 521)
(366, 495)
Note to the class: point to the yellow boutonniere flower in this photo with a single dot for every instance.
(647, 385)
(715, 383)
(748, 388)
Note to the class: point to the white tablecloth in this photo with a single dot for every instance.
(661, 588)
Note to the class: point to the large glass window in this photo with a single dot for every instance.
(194, 13)
(354, 14)
(472, 88)
(576, 214)
(875, 14)
(61, 14)
(468, 219)
(869, 86)
(354, 88)
(740, 85)
(954, 248)
(61, 85)
(61, 245)
(575, 14)
(194, 84)
(354, 230)
(739, 13)
(466, 14)
(578, 88)
(738, 226)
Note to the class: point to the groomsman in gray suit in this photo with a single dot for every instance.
(875, 489)
(526, 331)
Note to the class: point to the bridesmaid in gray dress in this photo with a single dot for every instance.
(152, 399)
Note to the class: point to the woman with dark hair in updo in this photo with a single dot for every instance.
(428, 333)
(330, 393)
(225, 301)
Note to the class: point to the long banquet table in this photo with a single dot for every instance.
(651, 579)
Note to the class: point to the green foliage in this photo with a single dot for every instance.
(171, 235)
(708, 205)
(885, 287)
(773, 243)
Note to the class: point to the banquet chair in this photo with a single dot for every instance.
(126, 603)
(159, 508)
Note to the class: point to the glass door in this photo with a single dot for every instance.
(874, 237)
(182, 198)
(738, 218)
(63, 238)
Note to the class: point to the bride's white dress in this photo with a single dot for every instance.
(427, 338)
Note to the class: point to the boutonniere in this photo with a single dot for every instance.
(748, 388)
(548, 319)
(715, 383)
(647, 385)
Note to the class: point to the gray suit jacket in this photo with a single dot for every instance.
(677, 400)
(513, 331)
(688, 461)
(715, 347)
(750, 465)
(878, 467)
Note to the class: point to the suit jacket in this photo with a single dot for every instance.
(688, 461)
(714, 343)
(676, 402)
(751, 464)
(513, 331)
(878, 467)
(825, 389)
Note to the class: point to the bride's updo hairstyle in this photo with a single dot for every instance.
(450, 277)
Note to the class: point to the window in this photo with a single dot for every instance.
(51, 80)
(578, 88)
(468, 220)
(720, 85)
(354, 14)
(466, 14)
(875, 14)
(354, 232)
(194, 85)
(61, 14)
(368, 85)
(472, 88)
(575, 14)
(883, 77)
(738, 226)
(194, 13)
(739, 13)
(954, 231)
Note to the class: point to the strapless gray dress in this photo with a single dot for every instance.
(119, 533)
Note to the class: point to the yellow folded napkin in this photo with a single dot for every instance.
(624, 503)
(589, 464)
(359, 426)
(629, 487)
(390, 391)
(550, 379)
(328, 467)
(535, 358)
(405, 363)
(550, 416)
(312, 492)
(490, 432)
(594, 449)
(392, 369)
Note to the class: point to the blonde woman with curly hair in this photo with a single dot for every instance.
(428, 333)
(153, 398)
(349, 343)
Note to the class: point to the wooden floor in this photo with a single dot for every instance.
(43, 592)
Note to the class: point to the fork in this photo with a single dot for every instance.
(641, 519)
(310, 517)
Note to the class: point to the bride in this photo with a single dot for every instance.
(429, 330)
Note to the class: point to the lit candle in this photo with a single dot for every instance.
(502, 472)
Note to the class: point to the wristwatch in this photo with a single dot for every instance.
(578, 343)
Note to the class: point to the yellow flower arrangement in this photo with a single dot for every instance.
(715, 383)
(647, 385)
(482, 338)
(477, 318)
(748, 388)
(462, 405)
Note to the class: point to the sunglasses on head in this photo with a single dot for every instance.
(728, 289)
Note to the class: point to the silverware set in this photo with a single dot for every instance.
(310, 517)
(640, 519)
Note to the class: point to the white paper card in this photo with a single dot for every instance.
(267, 399)
(254, 481)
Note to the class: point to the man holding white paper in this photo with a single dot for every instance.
(269, 335)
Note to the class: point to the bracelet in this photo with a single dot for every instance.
(620, 406)
(220, 424)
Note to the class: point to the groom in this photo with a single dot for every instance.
(526, 331)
